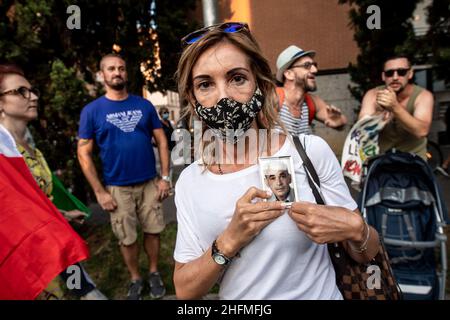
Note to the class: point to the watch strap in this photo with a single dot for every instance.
(215, 251)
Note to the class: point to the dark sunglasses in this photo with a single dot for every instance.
(307, 65)
(227, 27)
(401, 72)
(23, 91)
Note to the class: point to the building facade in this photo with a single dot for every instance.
(323, 26)
(170, 100)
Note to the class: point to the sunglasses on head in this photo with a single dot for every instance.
(23, 91)
(401, 72)
(227, 27)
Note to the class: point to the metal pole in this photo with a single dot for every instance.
(210, 12)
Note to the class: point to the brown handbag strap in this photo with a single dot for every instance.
(335, 250)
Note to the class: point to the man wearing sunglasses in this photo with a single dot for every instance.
(297, 70)
(408, 107)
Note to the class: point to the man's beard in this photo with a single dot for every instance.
(399, 89)
(118, 86)
(303, 83)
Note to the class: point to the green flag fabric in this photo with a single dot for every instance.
(64, 200)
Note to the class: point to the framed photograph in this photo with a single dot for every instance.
(278, 175)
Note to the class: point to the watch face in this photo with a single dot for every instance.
(219, 259)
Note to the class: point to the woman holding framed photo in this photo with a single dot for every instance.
(227, 233)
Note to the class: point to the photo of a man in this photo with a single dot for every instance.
(277, 176)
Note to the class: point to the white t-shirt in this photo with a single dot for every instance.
(281, 262)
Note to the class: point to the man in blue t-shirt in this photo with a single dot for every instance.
(123, 125)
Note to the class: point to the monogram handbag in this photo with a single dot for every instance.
(371, 281)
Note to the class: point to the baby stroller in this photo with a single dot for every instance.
(400, 199)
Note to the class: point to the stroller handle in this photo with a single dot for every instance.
(412, 244)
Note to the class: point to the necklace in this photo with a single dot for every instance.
(261, 149)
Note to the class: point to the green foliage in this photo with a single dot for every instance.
(438, 38)
(395, 36)
(22, 29)
(32, 14)
(65, 95)
(63, 63)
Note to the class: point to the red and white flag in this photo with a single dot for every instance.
(36, 242)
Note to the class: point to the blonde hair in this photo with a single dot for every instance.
(243, 40)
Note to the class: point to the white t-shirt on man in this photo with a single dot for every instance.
(281, 262)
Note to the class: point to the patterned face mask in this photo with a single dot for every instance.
(229, 119)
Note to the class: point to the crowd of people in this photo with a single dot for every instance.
(256, 244)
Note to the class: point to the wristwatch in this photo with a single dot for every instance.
(166, 178)
(219, 257)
